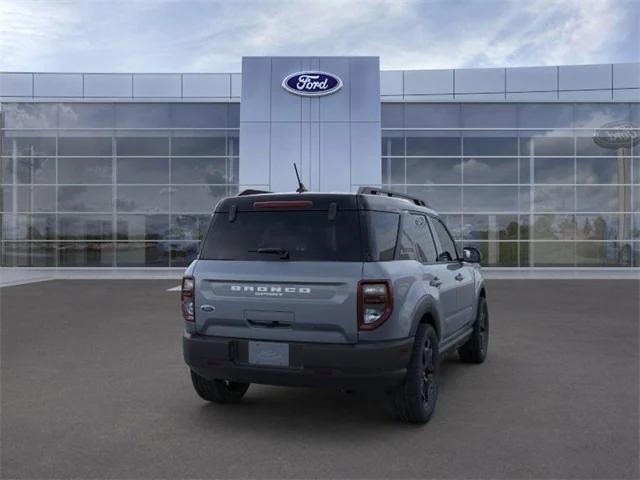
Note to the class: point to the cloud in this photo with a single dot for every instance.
(200, 35)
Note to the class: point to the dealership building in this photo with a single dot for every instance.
(537, 167)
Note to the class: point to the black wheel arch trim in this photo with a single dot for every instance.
(426, 306)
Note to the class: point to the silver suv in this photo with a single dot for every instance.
(354, 291)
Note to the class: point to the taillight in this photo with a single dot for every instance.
(375, 303)
(187, 298)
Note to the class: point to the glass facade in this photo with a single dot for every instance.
(524, 183)
(133, 184)
(113, 184)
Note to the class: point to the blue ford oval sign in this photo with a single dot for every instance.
(312, 84)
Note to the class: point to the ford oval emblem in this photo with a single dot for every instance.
(617, 135)
(312, 84)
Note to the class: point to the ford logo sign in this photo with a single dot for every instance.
(312, 84)
(617, 135)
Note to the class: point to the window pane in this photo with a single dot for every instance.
(143, 199)
(143, 170)
(604, 227)
(28, 254)
(424, 143)
(196, 199)
(603, 170)
(30, 115)
(603, 254)
(540, 145)
(142, 146)
(554, 227)
(554, 199)
(490, 227)
(94, 147)
(434, 170)
(496, 254)
(490, 170)
(131, 254)
(551, 254)
(200, 170)
(416, 229)
(490, 199)
(85, 227)
(80, 115)
(553, 170)
(586, 145)
(189, 227)
(603, 198)
(144, 227)
(393, 171)
(431, 115)
(35, 170)
(447, 245)
(545, 115)
(199, 115)
(199, 146)
(15, 145)
(598, 114)
(454, 224)
(383, 233)
(144, 115)
(441, 199)
(84, 170)
(71, 254)
(29, 227)
(305, 235)
(183, 253)
(85, 199)
(392, 143)
(490, 146)
(36, 199)
(483, 115)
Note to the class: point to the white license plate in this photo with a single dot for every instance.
(269, 353)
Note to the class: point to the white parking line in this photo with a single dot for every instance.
(174, 289)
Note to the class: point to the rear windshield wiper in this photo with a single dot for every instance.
(283, 252)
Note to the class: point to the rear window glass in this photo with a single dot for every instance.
(383, 233)
(303, 235)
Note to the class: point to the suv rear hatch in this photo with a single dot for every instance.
(281, 267)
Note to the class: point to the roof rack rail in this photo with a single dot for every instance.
(251, 191)
(389, 193)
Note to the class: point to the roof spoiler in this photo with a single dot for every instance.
(251, 191)
(389, 193)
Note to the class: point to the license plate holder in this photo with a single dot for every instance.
(274, 354)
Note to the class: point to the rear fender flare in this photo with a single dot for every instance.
(426, 305)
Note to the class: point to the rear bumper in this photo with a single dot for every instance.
(379, 365)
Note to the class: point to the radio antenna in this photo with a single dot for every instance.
(301, 188)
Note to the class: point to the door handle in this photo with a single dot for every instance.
(436, 282)
(459, 277)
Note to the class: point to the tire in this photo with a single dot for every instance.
(218, 391)
(415, 400)
(475, 349)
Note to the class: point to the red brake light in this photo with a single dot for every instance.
(187, 300)
(375, 303)
(283, 204)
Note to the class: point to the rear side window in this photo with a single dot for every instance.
(383, 234)
(416, 242)
(447, 245)
(304, 235)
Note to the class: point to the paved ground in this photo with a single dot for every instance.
(93, 386)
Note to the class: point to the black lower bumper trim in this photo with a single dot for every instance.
(379, 365)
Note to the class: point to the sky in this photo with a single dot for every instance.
(212, 36)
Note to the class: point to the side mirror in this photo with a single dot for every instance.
(471, 255)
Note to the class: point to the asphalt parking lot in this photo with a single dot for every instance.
(93, 386)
